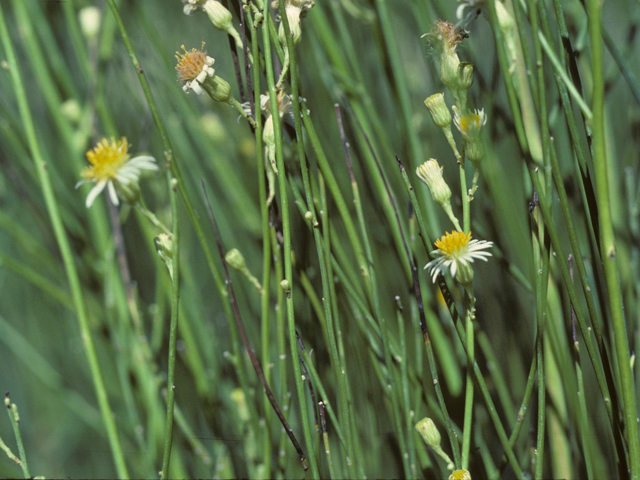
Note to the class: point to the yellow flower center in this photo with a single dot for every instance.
(106, 159)
(451, 244)
(470, 121)
(190, 63)
(460, 475)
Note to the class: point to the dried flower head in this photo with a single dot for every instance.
(193, 68)
(112, 167)
(444, 37)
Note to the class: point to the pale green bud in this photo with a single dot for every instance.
(219, 15)
(72, 110)
(465, 75)
(464, 273)
(238, 397)
(164, 247)
(431, 174)
(90, 19)
(449, 64)
(129, 192)
(235, 260)
(438, 109)
(428, 431)
(217, 88)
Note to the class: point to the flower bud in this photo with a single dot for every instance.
(90, 19)
(431, 174)
(438, 109)
(235, 260)
(428, 431)
(238, 397)
(465, 75)
(164, 247)
(217, 88)
(219, 15)
(449, 64)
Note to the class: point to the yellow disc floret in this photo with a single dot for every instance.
(113, 168)
(106, 158)
(455, 252)
(452, 244)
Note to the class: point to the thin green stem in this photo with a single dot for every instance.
(286, 233)
(608, 243)
(266, 247)
(173, 338)
(468, 399)
(12, 410)
(466, 214)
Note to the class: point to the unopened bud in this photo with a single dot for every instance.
(465, 75)
(431, 174)
(428, 431)
(90, 19)
(219, 15)
(438, 109)
(164, 247)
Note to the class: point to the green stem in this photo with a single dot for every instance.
(65, 250)
(468, 400)
(152, 218)
(12, 410)
(266, 249)
(173, 338)
(608, 245)
(286, 233)
(466, 216)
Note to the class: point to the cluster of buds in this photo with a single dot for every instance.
(444, 38)
(458, 78)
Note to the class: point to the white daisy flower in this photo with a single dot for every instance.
(113, 168)
(455, 252)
